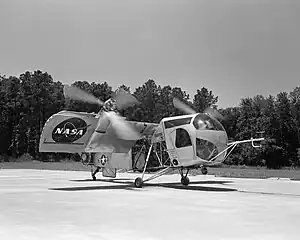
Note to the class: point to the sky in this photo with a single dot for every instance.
(236, 48)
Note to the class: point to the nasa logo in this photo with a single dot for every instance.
(69, 130)
(103, 159)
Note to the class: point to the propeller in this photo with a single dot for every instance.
(78, 94)
(122, 127)
(183, 107)
(123, 100)
(188, 110)
(214, 113)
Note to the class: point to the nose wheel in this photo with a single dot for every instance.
(185, 181)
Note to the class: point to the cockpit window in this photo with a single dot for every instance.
(205, 122)
(177, 122)
(205, 149)
(183, 138)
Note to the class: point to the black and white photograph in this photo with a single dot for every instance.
(149, 119)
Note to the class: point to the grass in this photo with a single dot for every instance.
(225, 171)
(252, 172)
(63, 165)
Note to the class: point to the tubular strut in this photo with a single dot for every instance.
(232, 146)
(94, 172)
(182, 174)
(157, 174)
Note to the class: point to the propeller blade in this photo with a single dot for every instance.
(123, 129)
(188, 110)
(183, 107)
(78, 94)
(124, 99)
(214, 113)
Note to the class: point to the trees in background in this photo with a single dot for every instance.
(27, 101)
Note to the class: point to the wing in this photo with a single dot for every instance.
(109, 141)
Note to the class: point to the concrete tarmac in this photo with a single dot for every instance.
(41, 204)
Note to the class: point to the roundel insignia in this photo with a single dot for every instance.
(103, 159)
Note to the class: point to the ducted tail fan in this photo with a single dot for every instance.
(188, 110)
(120, 100)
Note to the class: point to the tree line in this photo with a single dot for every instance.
(27, 101)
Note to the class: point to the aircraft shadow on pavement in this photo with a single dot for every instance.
(128, 185)
(103, 180)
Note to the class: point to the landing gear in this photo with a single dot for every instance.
(93, 173)
(185, 181)
(138, 183)
(140, 180)
(204, 170)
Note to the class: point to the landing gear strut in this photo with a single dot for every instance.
(185, 181)
(140, 180)
(138, 183)
(204, 170)
(93, 173)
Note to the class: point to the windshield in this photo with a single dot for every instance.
(177, 122)
(205, 149)
(205, 122)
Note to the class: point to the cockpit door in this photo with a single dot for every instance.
(182, 143)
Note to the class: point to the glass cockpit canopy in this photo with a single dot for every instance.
(205, 122)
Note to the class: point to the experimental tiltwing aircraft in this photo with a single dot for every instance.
(105, 140)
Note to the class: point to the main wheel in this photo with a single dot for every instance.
(138, 183)
(204, 170)
(94, 178)
(185, 181)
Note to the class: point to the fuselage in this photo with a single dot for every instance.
(195, 139)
